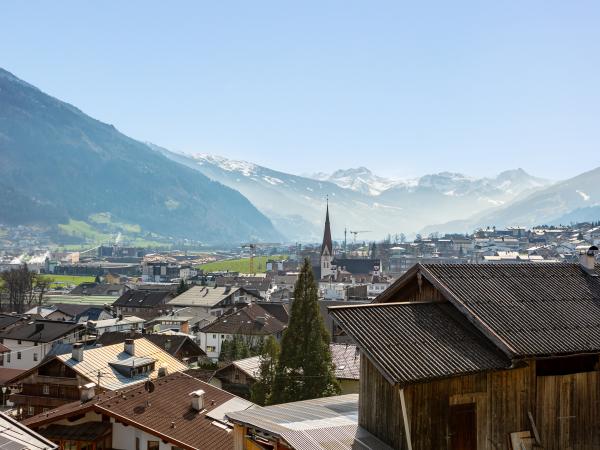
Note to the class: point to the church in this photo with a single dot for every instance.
(337, 268)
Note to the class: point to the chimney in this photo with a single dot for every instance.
(587, 259)
(129, 346)
(163, 371)
(197, 400)
(77, 354)
(87, 392)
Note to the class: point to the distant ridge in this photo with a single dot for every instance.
(57, 164)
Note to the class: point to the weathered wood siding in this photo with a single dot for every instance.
(568, 411)
(379, 405)
(565, 408)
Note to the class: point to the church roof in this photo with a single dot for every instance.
(327, 243)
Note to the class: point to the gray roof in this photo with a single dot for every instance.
(41, 330)
(531, 309)
(346, 359)
(16, 436)
(203, 296)
(412, 342)
(330, 422)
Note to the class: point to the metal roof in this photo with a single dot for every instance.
(412, 342)
(203, 296)
(98, 360)
(330, 422)
(16, 436)
(536, 310)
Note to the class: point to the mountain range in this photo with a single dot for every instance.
(62, 168)
(360, 200)
(58, 165)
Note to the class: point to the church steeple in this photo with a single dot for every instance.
(327, 243)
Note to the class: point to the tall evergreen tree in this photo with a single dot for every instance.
(304, 369)
(261, 390)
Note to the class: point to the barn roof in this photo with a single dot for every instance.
(527, 309)
(412, 342)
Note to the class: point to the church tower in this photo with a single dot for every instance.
(327, 248)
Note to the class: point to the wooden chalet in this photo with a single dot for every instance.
(482, 357)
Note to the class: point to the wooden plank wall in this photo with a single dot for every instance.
(379, 406)
(502, 400)
(568, 411)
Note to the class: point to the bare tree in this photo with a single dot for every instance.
(23, 288)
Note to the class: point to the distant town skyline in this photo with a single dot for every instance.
(403, 89)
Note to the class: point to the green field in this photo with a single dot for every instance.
(68, 280)
(240, 265)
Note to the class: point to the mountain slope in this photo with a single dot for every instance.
(58, 163)
(576, 199)
(296, 204)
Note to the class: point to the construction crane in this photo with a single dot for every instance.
(355, 233)
(253, 246)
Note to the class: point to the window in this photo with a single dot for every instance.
(214, 336)
(30, 411)
(153, 445)
(35, 344)
(19, 342)
(210, 348)
(35, 357)
(18, 355)
(46, 389)
(45, 409)
(222, 336)
(1, 359)
(137, 443)
(8, 357)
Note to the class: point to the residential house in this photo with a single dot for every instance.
(181, 347)
(238, 376)
(176, 411)
(121, 323)
(322, 423)
(105, 289)
(482, 357)
(144, 303)
(252, 322)
(204, 300)
(27, 343)
(63, 378)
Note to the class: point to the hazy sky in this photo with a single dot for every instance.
(404, 88)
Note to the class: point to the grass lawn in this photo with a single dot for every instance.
(69, 280)
(241, 265)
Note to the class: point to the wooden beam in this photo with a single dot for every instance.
(405, 420)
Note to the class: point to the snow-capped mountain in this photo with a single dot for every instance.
(360, 179)
(358, 199)
(510, 182)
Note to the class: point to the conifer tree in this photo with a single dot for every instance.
(261, 390)
(304, 370)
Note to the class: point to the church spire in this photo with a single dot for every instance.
(327, 243)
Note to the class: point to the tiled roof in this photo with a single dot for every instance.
(346, 360)
(532, 309)
(281, 311)
(40, 330)
(344, 357)
(98, 359)
(250, 320)
(203, 296)
(322, 423)
(412, 342)
(8, 320)
(143, 298)
(169, 343)
(166, 412)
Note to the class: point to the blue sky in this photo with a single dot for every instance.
(404, 88)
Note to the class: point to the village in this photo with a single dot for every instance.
(458, 342)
